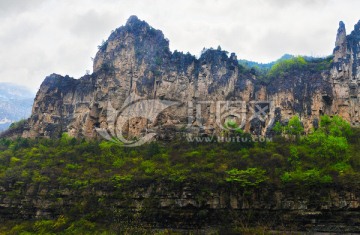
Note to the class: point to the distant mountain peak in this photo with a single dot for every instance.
(15, 104)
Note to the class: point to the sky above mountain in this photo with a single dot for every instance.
(39, 37)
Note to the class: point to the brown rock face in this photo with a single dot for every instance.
(135, 66)
(345, 75)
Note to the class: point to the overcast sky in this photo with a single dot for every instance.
(40, 37)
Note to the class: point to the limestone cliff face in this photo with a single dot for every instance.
(136, 61)
(345, 74)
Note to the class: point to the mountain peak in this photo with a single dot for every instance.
(357, 26)
(134, 23)
(149, 43)
(133, 20)
(341, 34)
(340, 43)
(341, 25)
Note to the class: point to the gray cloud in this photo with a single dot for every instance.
(40, 37)
(8, 7)
(304, 3)
(91, 23)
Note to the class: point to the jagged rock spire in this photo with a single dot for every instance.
(340, 44)
(341, 34)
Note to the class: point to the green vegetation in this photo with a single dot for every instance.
(328, 157)
(294, 127)
(103, 45)
(246, 178)
(17, 124)
(108, 67)
(285, 66)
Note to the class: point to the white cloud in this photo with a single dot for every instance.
(39, 37)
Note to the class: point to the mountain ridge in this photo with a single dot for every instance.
(136, 59)
(15, 104)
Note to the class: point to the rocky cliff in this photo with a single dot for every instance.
(185, 207)
(345, 74)
(135, 63)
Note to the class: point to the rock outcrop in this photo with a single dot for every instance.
(136, 63)
(159, 206)
(345, 74)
